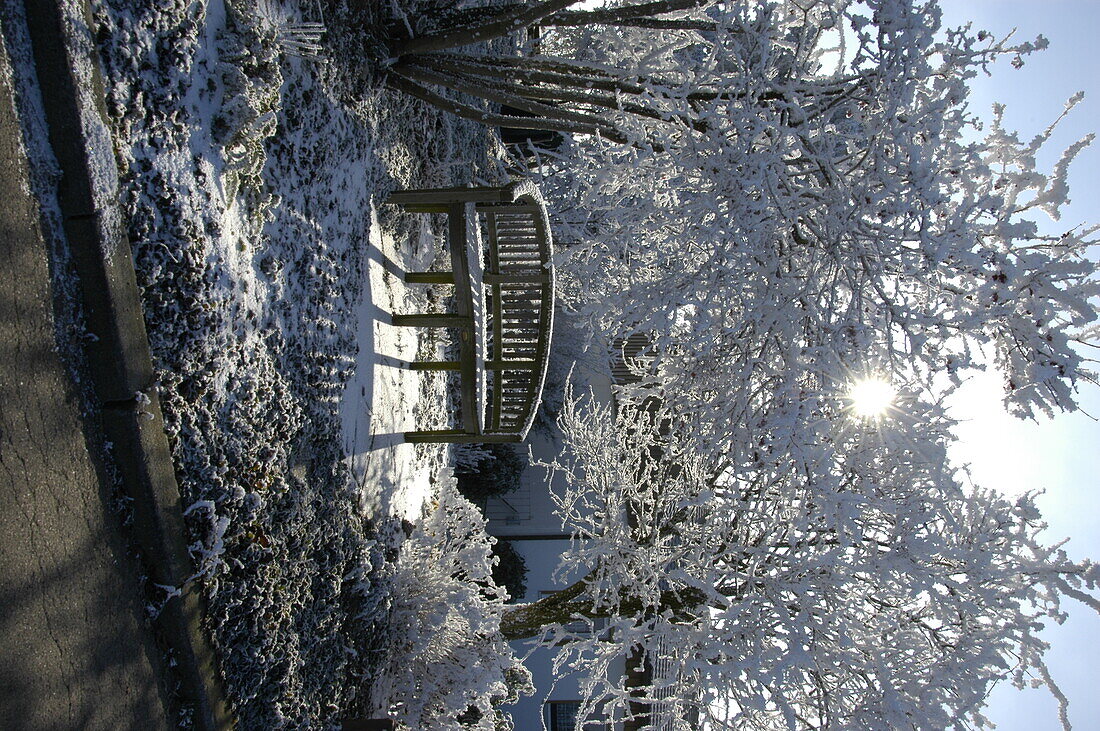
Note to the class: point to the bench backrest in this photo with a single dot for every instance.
(519, 283)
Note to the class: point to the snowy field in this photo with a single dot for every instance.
(254, 181)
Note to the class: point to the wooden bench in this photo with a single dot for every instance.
(504, 305)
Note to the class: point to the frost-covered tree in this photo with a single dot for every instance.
(828, 234)
(847, 581)
(446, 664)
(567, 89)
(831, 212)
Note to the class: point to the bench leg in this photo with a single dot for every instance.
(423, 208)
(429, 277)
(461, 194)
(443, 436)
(455, 204)
(457, 436)
(431, 320)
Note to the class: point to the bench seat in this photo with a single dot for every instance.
(502, 270)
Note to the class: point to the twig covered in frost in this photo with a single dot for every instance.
(301, 39)
(446, 655)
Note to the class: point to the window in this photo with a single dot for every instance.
(562, 715)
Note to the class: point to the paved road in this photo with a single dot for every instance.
(75, 651)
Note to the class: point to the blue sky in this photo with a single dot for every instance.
(1061, 455)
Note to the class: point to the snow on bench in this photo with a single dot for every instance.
(504, 305)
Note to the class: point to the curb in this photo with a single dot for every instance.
(118, 356)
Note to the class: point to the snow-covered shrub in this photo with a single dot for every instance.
(510, 571)
(468, 457)
(446, 656)
(249, 52)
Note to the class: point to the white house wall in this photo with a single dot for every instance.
(527, 518)
(542, 557)
(529, 510)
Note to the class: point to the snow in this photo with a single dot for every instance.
(379, 401)
(251, 180)
(344, 574)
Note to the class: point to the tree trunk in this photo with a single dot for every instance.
(555, 70)
(464, 78)
(639, 676)
(551, 88)
(615, 16)
(466, 111)
(508, 21)
(529, 620)
(701, 26)
(500, 94)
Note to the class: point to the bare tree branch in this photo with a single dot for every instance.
(508, 21)
(498, 94)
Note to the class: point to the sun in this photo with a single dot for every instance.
(871, 397)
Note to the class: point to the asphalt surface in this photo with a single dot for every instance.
(88, 500)
(77, 652)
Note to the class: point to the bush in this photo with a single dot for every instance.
(510, 571)
(497, 473)
(446, 658)
(517, 681)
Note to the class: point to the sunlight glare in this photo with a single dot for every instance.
(871, 397)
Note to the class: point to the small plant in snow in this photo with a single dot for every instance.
(499, 473)
(510, 571)
(250, 73)
(207, 552)
(447, 658)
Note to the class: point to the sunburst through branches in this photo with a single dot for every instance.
(871, 398)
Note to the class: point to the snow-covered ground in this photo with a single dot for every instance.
(380, 399)
(253, 180)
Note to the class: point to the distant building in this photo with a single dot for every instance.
(526, 518)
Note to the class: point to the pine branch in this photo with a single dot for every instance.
(510, 20)
(474, 87)
(466, 111)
